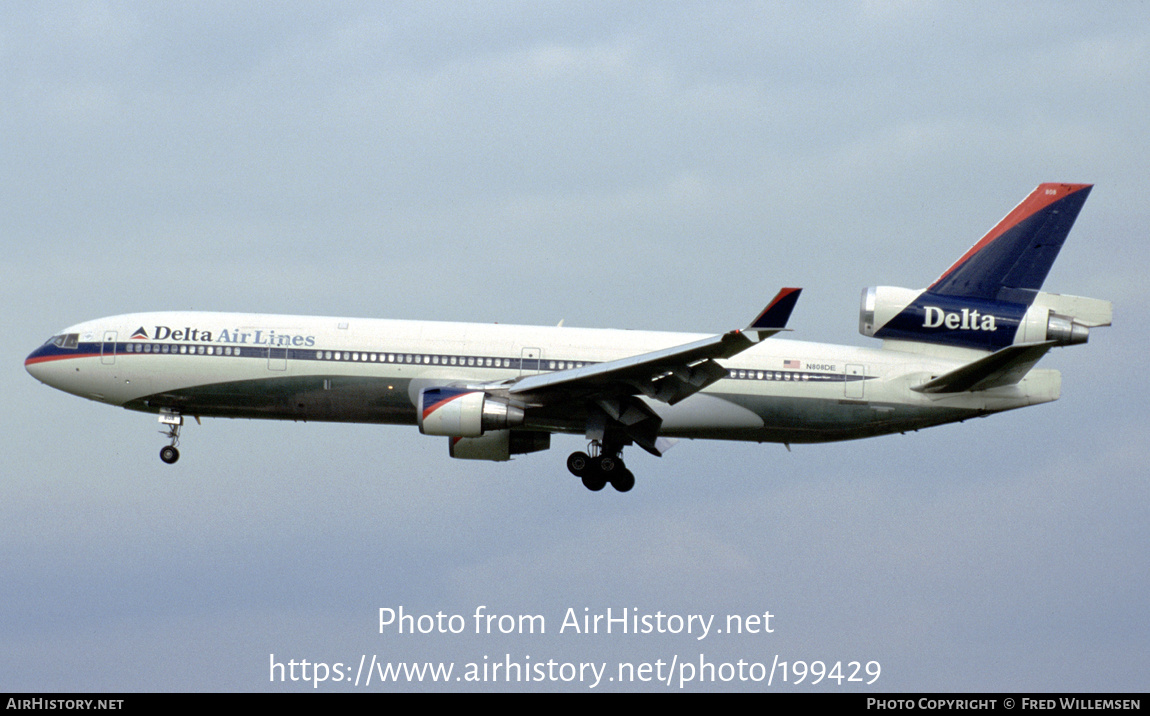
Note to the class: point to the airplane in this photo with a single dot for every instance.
(964, 347)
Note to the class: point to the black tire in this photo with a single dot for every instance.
(623, 480)
(608, 464)
(577, 463)
(169, 454)
(594, 482)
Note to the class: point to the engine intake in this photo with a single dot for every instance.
(462, 412)
(882, 303)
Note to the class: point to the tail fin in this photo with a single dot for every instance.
(1012, 260)
(990, 297)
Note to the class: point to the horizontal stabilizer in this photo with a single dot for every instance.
(1003, 367)
(1090, 312)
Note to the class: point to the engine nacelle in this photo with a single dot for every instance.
(1065, 319)
(498, 445)
(882, 303)
(463, 412)
(918, 315)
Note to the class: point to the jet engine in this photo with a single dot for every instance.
(464, 413)
(498, 445)
(919, 315)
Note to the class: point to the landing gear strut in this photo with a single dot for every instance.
(599, 466)
(174, 421)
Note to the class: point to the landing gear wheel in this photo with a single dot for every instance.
(601, 464)
(594, 482)
(173, 420)
(623, 480)
(578, 463)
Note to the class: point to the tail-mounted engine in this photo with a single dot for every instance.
(905, 314)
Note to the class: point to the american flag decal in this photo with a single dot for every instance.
(790, 364)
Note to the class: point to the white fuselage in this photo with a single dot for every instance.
(371, 370)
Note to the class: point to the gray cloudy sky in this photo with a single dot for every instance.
(645, 165)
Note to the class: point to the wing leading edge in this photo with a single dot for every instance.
(607, 393)
(668, 375)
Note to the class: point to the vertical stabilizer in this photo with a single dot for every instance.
(1013, 259)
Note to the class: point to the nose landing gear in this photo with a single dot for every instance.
(599, 467)
(174, 421)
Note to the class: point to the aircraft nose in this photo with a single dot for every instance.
(37, 364)
(46, 363)
(60, 364)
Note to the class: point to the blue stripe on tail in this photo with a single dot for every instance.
(1011, 262)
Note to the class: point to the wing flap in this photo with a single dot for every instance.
(668, 374)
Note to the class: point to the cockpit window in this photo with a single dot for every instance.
(66, 340)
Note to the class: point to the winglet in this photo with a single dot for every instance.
(775, 316)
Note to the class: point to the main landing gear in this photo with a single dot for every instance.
(174, 421)
(600, 467)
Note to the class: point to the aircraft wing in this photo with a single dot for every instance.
(668, 375)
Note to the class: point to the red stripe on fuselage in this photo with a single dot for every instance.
(45, 359)
(441, 403)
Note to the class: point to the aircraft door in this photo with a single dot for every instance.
(277, 358)
(530, 361)
(108, 348)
